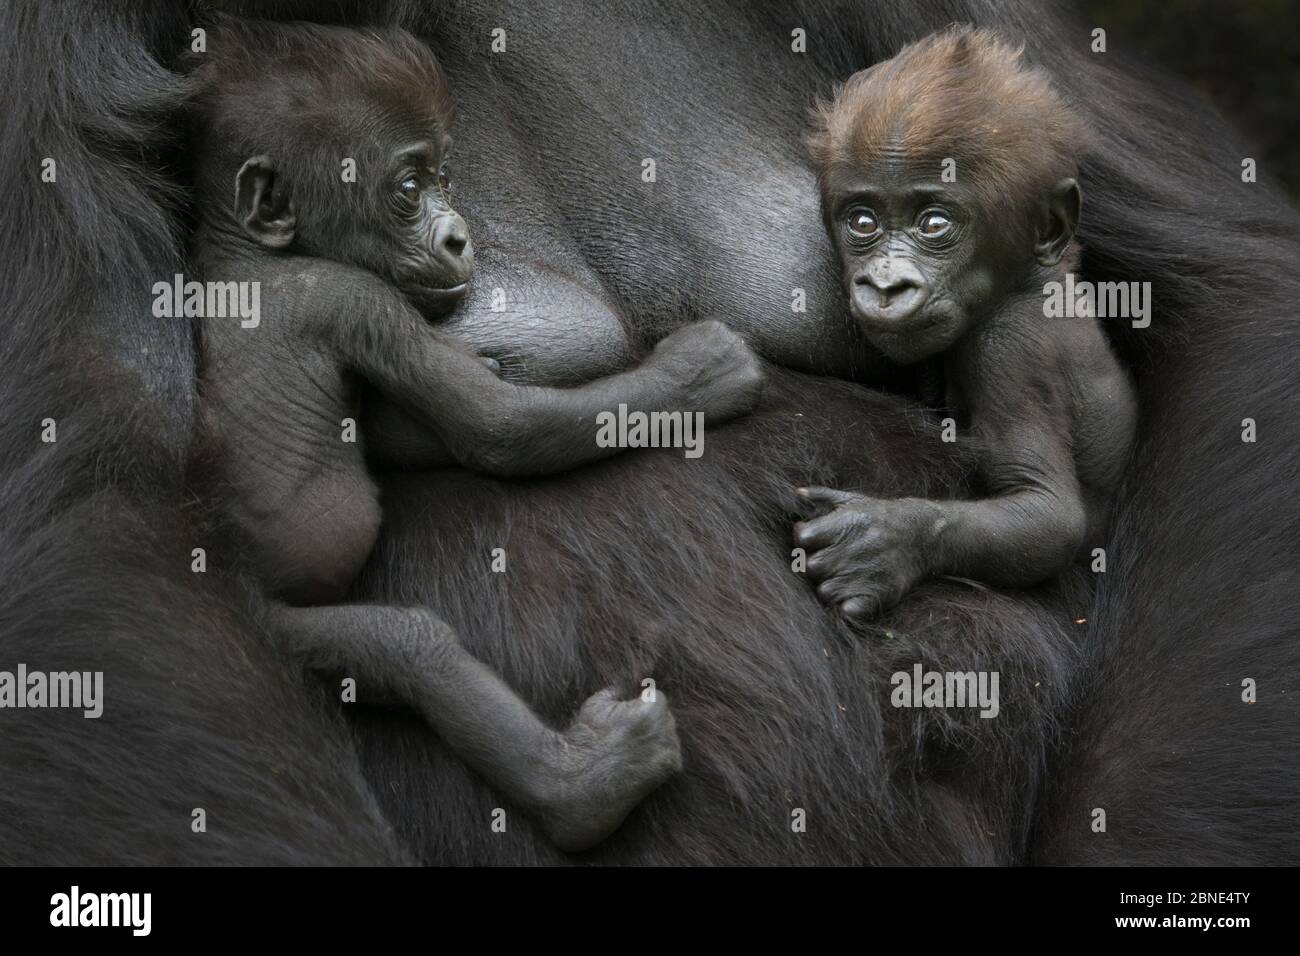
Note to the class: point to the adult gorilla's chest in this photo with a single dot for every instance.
(648, 565)
(622, 177)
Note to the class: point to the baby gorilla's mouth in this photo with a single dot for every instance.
(897, 312)
(437, 299)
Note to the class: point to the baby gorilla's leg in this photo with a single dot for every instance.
(316, 543)
(580, 783)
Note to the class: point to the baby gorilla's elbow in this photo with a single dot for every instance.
(1039, 536)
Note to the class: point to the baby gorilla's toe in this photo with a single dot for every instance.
(616, 753)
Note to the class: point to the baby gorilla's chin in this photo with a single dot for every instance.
(920, 336)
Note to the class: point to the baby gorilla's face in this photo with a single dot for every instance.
(920, 265)
(399, 224)
(434, 258)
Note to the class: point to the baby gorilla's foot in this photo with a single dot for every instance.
(611, 757)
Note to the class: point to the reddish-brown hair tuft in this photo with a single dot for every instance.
(963, 93)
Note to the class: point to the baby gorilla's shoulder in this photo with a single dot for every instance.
(323, 286)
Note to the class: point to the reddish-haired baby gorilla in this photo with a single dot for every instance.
(351, 270)
(957, 270)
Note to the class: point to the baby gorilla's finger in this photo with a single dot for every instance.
(860, 609)
(829, 497)
(825, 563)
(836, 589)
(820, 532)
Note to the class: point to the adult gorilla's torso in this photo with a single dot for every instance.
(550, 142)
(680, 570)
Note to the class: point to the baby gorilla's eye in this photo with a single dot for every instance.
(862, 223)
(935, 224)
(410, 189)
(444, 181)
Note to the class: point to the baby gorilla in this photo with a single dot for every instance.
(281, 115)
(957, 270)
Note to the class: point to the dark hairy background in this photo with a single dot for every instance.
(1243, 56)
(1124, 696)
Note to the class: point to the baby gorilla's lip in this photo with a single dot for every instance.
(458, 289)
(435, 295)
(897, 317)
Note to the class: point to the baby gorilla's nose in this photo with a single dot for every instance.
(453, 254)
(898, 288)
(456, 240)
(451, 236)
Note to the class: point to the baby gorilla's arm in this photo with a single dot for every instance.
(500, 428)
(395, 438)
(530, 430)
(580, 783)
(868, 552)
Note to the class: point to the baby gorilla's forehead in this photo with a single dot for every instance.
(900, 178)
(370, 114)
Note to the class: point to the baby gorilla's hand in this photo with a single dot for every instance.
(712, 369)
(866, 552)
(609, 759)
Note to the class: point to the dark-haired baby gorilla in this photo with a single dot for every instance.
(280, 115)
(957, 270)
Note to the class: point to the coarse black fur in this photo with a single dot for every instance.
(1138, 710)
(97, 536)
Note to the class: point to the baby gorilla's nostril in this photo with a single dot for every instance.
(890, 285)
(455, 244)
(895, 280)
(897, 291)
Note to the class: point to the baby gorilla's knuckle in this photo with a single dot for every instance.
(869, 540)
(752, 376)
(599, 706)
(659, 704)
(422, 623)
(654, 721)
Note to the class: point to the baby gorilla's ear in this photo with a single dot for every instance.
(1058, 217)
(265, 211)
